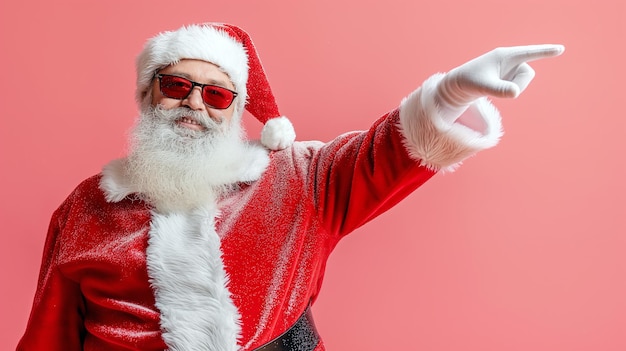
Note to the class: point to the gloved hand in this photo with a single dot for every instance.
(503, 72)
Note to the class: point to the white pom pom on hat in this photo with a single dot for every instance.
(230, 48)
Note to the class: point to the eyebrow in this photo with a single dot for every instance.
(211, 81)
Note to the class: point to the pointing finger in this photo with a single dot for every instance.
(520, 54)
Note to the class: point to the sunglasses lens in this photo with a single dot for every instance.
(175, 87)
(217, 97)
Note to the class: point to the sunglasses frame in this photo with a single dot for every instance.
(193, 85)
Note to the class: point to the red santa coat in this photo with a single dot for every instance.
(116, 275)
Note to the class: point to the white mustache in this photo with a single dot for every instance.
(175, 114)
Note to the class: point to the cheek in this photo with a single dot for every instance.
(226, 114)
(167, 103)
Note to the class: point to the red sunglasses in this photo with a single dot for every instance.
(175, 87)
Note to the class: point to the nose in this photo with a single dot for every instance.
(194, 100)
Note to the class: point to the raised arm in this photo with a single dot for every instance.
(445, 121)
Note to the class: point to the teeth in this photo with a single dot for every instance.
(190, 121)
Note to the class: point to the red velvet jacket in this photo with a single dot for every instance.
(101, 285)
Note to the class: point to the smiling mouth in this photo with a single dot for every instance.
(190, 123)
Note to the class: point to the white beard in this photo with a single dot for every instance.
(179, 169)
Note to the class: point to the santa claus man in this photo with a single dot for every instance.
(203, 240)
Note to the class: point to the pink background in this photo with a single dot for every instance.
(521, 249)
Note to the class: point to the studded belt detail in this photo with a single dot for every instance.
(302, 336)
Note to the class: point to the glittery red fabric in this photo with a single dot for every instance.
(94, 291)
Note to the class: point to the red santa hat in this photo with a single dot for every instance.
(230, 48)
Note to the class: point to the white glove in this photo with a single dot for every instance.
(503, 73)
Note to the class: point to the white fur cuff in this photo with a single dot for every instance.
(437, 144)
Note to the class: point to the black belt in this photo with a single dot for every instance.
(302, 336)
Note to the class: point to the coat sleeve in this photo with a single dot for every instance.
(359, 175)
(56, 319)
